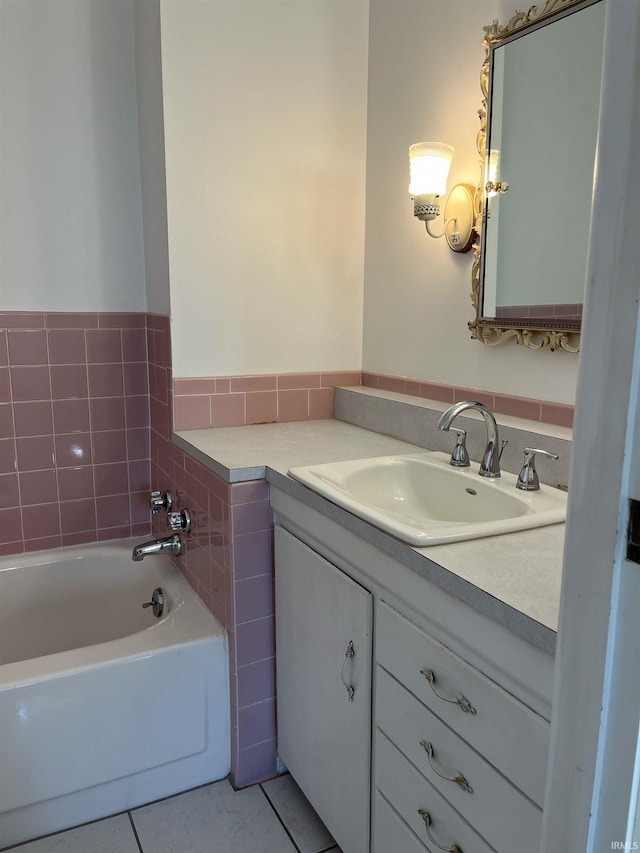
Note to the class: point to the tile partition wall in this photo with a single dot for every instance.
(74, 429)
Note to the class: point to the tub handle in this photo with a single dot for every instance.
(157, 602)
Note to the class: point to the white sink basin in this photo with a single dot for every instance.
(423, 500)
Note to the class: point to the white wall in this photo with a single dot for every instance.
(70, 211)
(265, 126)
(424, 64)
(148, 61)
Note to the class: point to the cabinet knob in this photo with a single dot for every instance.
(461, 701)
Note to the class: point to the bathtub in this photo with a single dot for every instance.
(103, 706)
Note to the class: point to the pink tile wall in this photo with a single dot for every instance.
(504, 404)
(267, 398)
(74, 429)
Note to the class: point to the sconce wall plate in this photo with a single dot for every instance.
(460, 234)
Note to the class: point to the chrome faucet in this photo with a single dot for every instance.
(490, 465)
(167, 545)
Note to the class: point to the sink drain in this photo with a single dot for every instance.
(471, 491)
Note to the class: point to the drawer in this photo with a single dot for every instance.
(409, 725)
(390, 833)
(508, 734)
(409, 794)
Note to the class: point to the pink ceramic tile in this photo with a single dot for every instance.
(345, 377)
(5, 385)
(9, 495)
(8, 463)
(251, 517)
(75, 483)
(28, 347)
(122, 320)
(192, 412)
(41, 520)
(254, 764)
(35, 453)
(261, 407)
(460, 394)
(4, 350)
(228, 410)
(413, 387)
(223, 385)
(69, 381)
(112, 511)
(159, 322)
(557, 413)
(71, 416)
(138, 444)
(107, 413)
(189, 387)
(139, 507)
(256, 723)
(393, 383)
(45, 543)
(69, 539)
(254, 598)
(436, 391)
(30, 383)
(10, 525)
(289, 381)
(321, 403)
(104, 345)
(21, 320)
(256, 682)
(293, 405)
(134, 345)
(110, 446)
(136, 378)
(33, 418)
(67, 346)
(518, 407)
(111, 479)
(8, 548)
(106, 380)
(72, 450)
(140, 476)
(370, 380)
(38, 487)
(6, 420)
(254, 641)
(253, 554)
(253, 490)
(122, 531)
(253, 383)
(77, 516)
(136, 411)
(71, 321)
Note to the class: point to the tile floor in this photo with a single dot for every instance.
(273, 817)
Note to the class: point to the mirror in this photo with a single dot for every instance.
(539, 119)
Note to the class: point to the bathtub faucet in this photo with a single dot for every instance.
(167, 545)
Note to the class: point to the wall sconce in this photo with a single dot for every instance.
(429, 164)
(494, 186)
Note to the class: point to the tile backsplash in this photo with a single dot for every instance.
(74, 428)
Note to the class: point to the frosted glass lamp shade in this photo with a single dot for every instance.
(429, 164)
(493, 170)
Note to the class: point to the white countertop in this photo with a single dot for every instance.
(520, 570)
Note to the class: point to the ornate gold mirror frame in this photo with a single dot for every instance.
(489, 331)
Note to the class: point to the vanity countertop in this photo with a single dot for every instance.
(514, 579)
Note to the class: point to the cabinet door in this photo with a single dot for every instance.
(324, 728)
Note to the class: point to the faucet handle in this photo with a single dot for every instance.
(528, 479)
(158, 502)
(459, 455)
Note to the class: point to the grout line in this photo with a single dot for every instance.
(282, 823)
(135, 831)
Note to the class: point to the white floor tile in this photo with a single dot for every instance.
(213, 819)
(304, 825)
(113, 835)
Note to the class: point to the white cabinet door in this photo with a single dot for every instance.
(324, 693)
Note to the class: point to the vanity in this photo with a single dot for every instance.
(414, 684)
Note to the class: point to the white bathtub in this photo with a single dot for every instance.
(102, 705)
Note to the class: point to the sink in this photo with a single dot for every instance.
(422, 500)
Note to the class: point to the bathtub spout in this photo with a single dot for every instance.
(167, 545)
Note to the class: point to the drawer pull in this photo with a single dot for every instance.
(350, 652)
(461, 701)
(460, 781)
(426, 817)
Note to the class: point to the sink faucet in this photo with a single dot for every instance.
(167, 545)
(490, 465)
